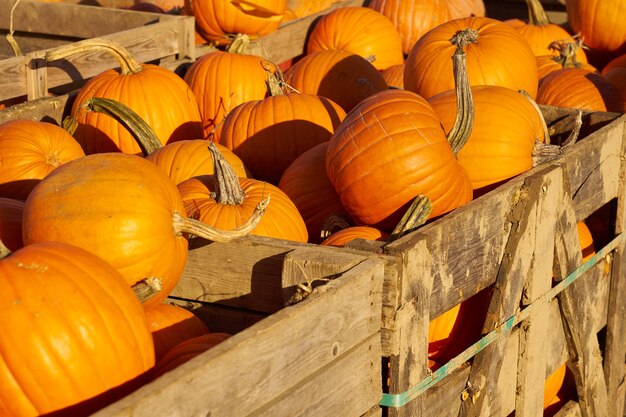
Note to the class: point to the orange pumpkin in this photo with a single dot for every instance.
(394, 76)
(601, 23)
(615, 73)
(30, 150)
(11, 223)
(586, 241)
(223, 80)
(412, 18)
(553, 384)
(360, 30)
(466, 8)
(344, 236)
(269, 134)
(171, 325)
(547, 64)
(308, 7)
(390, 149)
(71, 320)
(218, 20)
(306, 184)
(188, 350)
(344, 77)
(500, 57)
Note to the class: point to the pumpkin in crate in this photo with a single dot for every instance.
(306, 184)
(500, 57)
(11, 211)
(74, 336)
(344, 236)
(223, 80)
(218, 21)
(124, 209)
(187, 350)
(30, 150)
(360, 30)
(171, 324)
(412, 18)
(553, 384)
(615, 73)
(224, 201)
(344, 77)
(269, 134)
(159, 96)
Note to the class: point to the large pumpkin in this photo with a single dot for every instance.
(30, 150)
(159, 96)
(600, 22)
(344, 77)
(390, 149)
(74, 335)
(412, 18)
(500, 57)
(466, 8)
(269, 134)
(120, 207)
(359, 30)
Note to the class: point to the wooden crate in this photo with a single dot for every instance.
(517, 9)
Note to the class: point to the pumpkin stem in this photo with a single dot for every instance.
(536, 13)
(464, 122)
(147, 288)
(415, 216)
(543, 152)
(12, 42)
(333, 224)
(228, 189)
(239, 44)
(566, 50)
(546, 133)
(128, 64)
(275, 79)
(4, 251)
(127, 117)
(197, 228)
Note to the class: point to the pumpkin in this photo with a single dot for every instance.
(11, 223)
(394, 76)
(553, 384)
(236, 198)
(615, 73)
(579, 88)
(501, 144)
(500, 57)
(30, 150)
(187, 350)
(388, 150)
(120, 207)
(547, 64)
(269, 134)
(306, 184)
(218, 20)
(586, 241)
(344, 236)
(170, 325)
(308, 7)
(344, 77)
(223, 80)
(600, 23)
(360, 30)
(440, 331)
(466, 8)
(74, 336)
(159, 96)
(412, 18)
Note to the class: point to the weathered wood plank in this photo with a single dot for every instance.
(261, 364)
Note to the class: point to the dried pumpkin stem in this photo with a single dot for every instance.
(566, 50)
(4, 251)
(127, 117)
(543, 153)
(546, 133)
(197, 228)
(415, 216)
(147, 288)
(333, 224)
(464, 122)
(128, 64)
(536, 13)
(239, 44)
(12, 42)
(228, 189)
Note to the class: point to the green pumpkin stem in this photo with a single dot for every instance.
(536, 13)
(228, 189)
(4, 251)
(464, 122)
(147, 288)
(415, 216)
(141, 131)
(128, 64)
(195, 227)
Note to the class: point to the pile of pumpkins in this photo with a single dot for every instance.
(384, 107)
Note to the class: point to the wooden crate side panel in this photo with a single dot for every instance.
(260, 364)
(50, 109)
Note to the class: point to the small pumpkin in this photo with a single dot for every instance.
(344, 236)
(187, 350)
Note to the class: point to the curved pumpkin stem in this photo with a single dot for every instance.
(9, 37)
(141, 131)
(536, 13)
(228, 189)
(464, 122)
(128, 64)
(333, 224)
(415, 216)
(147, 288)
(546, 133)
(543, 152)
(197, 228)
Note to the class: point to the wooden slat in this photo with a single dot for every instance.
(262, 364)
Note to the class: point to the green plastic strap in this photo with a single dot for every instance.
(398, 400)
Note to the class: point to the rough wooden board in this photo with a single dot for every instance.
(570, 409)
(260, 364)
(352, 396)
(576, 302)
